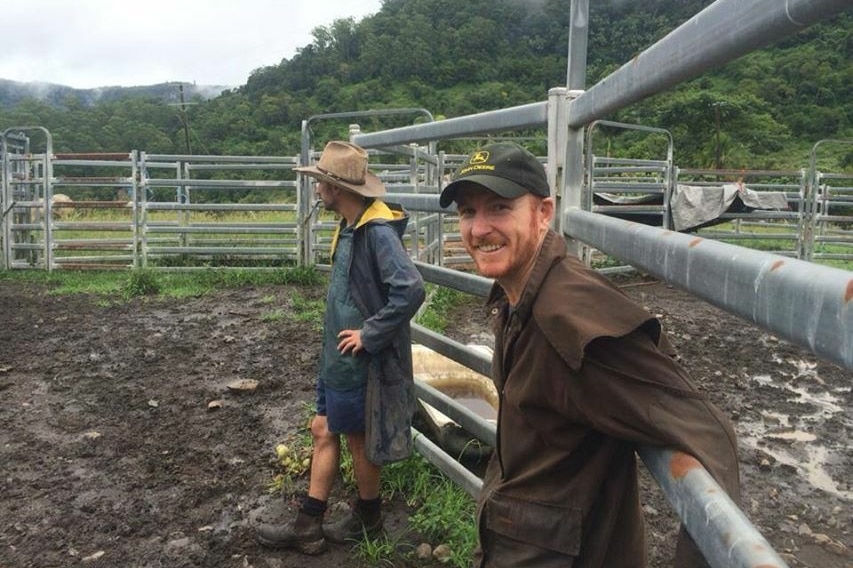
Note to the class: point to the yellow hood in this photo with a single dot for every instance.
(377, 210)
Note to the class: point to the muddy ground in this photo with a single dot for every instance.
(110, 456)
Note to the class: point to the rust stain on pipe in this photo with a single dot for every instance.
(848, 294)
(107, 156)
(91, 179)
(776, 265)
(681, 464)
(98, 204)
(694, 243)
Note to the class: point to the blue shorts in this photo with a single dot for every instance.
(344, 410)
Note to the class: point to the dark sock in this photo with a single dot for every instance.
(313, 507)
(369, 506)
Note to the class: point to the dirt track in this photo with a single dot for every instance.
(109, 455)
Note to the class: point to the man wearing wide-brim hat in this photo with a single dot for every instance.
(365, 389)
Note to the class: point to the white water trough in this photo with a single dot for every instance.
(470, 389)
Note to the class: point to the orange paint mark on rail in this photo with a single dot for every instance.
(681, 464)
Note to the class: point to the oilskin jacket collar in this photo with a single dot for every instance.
(551, 252)
(375, 210)
(581, 322)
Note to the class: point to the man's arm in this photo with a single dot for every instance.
(631, 390)
(404, 288)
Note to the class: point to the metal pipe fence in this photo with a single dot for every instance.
(135, 210)
(782, 230)
(805, 303)
(828, 224)
(630, 188)
(159, 215)
(226, 230)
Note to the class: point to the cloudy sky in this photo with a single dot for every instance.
(99, 43)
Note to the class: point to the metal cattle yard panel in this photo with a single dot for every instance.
(143, 217)
(234, 233)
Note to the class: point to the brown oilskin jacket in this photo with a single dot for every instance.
(585, 375)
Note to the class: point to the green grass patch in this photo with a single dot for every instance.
(70, 282)
(382, 551)
(440, 302)
(140, 283)
(293, 457)
(275, 315)
(308, 310)
(149, 282)
(444, 513)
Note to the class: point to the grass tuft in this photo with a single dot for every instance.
(140, 283)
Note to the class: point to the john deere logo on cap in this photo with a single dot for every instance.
(480, 157)
(478, 162)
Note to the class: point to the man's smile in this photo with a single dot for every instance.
(489, 248)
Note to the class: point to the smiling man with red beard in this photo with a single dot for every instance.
(585, 376)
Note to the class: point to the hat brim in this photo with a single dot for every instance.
(372, 186)
(503, 187)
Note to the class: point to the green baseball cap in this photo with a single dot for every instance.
(504, 168)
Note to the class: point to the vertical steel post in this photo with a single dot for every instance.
(440, 181)
(142, 200)
(5, 200)
(304, 231)
(555, 166)
(578, 41)
(572, 187)
(134, 206)
(413, 180)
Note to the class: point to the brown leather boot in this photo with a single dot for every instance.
(355, 527)
(305, 534)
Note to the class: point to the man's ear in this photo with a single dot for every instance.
(547, 208)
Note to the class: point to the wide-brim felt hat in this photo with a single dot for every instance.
(345, 165)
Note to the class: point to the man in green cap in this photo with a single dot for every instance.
(584, 375)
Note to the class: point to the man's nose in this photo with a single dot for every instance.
(480, 224)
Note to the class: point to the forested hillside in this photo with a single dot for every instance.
(455, 58)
